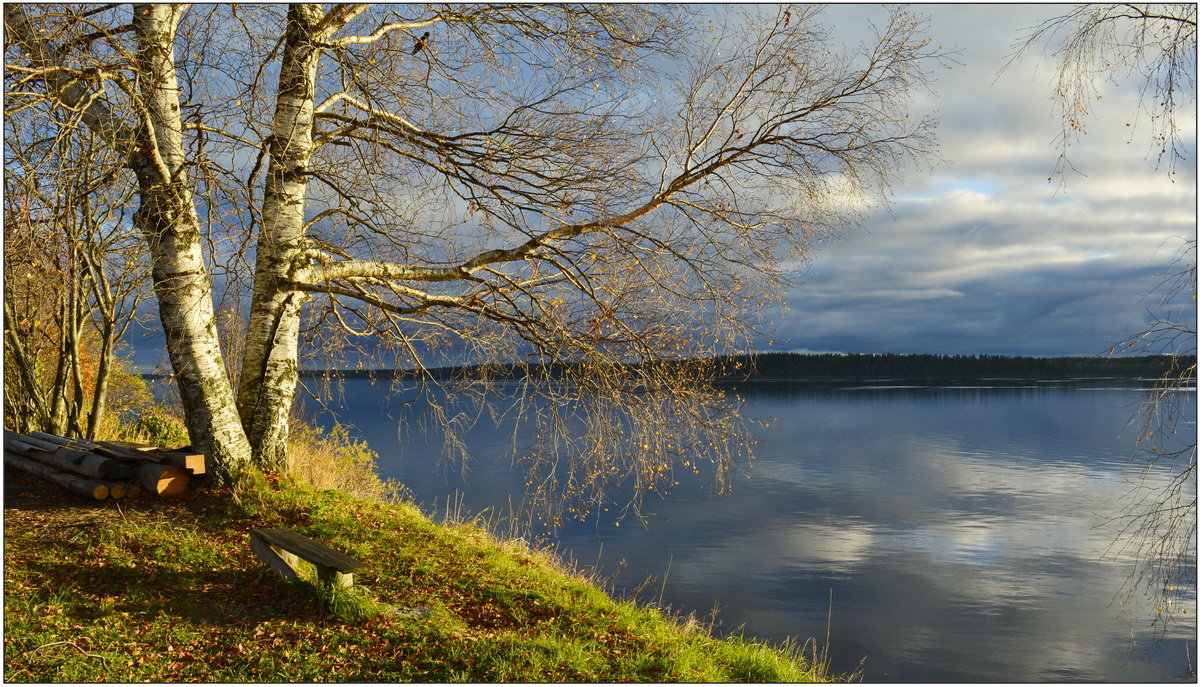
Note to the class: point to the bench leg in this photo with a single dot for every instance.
(280, 561)
(335, 578)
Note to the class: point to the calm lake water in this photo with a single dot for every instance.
(941, 534)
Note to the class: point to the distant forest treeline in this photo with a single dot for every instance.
(830, 366)
(925, 366)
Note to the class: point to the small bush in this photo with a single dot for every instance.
(334, 460)
(161, 429)
(150, 424)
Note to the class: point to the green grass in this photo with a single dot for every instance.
(175, 594)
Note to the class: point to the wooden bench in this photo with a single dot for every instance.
(282, 549)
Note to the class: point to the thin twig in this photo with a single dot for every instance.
(663, 589)
(48, 644)
(828, 627)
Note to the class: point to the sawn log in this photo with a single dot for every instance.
(34, 442)
(72, 483)
(128, 451)
(62, 458)
(163, 480)
(116, 490)
(77, 444)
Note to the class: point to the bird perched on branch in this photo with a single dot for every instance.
(420, 44)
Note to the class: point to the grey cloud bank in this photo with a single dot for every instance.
(984, 253)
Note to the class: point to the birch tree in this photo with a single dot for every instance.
(147, 133)
(612, 189)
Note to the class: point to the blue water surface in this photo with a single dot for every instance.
(932, 534)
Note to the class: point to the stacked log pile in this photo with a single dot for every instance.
(102, 469)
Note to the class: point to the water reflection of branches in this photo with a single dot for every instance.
(1159, 521)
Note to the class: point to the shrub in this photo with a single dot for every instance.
(333, 459)
(157, 426)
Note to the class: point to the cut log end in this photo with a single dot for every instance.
(116, 490)
(163, 480)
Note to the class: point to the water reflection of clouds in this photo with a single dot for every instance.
(970, 543)
(1014, 624)
(978, 512)
(937, 545)
(960, 532)
(836, 548)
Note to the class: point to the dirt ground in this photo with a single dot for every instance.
(30, 501)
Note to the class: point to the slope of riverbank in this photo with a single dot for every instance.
(167, 591)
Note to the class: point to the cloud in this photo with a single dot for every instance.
(990, 252)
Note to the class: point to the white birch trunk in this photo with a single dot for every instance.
(167, 219)
(267, 386)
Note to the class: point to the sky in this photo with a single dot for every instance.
(982, 254)
(989, 251)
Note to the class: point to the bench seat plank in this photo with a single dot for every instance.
(282, 550)
(309, 550)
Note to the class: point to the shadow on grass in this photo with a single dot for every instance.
(218, 597)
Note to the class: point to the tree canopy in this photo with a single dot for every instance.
(584, 184)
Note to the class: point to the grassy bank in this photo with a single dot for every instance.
(171, 592)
